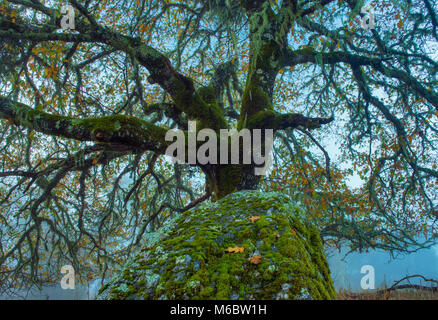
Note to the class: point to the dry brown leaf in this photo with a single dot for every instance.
(255, 259)
(253, 218)
(236, 249)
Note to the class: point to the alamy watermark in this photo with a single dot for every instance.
(368, 21)
(68, 281)
(68, 18)
(368, 280)
(208, 153)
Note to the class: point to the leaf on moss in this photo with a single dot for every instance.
(255, 259)
(235, 249)
(276, 235)
(253, 218)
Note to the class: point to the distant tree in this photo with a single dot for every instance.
(84, 109)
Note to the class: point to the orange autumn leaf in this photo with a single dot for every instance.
(293, 231)
(235, 249)
(255, 259)
(94, 161)
(253, 218)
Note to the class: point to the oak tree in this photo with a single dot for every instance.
(85, 114)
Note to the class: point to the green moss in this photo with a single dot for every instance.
(201, 106)
(110, 125)
(198, 266)
(207, 94)
(264, 119)
(260, 79)
(114, 128)
(254, 100)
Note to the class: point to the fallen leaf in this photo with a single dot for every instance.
(276, 235)
(253, 218)
(293, 231)
(236, 249)
(255, 259)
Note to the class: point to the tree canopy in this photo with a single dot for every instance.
(84, 114)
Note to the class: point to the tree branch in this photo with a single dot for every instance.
(291, 58)
(180, 87)
(116, 129)
(277, 121)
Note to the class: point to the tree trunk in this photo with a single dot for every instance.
(225, 179)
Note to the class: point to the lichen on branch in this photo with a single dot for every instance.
(114, 129)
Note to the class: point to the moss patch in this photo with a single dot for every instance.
(192, 261)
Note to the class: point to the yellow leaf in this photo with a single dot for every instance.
(236, 249)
